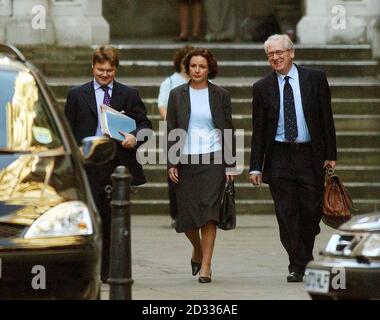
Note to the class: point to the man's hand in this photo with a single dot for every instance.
(329, 163)
(129, 140)
(255, 179)
(173, 174)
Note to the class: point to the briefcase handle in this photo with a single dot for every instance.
(330, 171)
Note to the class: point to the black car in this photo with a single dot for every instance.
(349, 267)
(50, 231)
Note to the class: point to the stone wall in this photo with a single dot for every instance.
(53, 22)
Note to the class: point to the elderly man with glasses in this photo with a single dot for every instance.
(293, 140)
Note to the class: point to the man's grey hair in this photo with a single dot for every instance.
(288, 44)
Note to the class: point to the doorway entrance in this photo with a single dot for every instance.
(152, 19)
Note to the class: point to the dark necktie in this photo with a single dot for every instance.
(107, 98)
(290, 117)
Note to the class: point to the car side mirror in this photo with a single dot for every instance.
(97, 150)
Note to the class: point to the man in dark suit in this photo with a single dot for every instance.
(293, 140)
(82, 111)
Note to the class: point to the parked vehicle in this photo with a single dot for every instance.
(50, 231)
(349, 267)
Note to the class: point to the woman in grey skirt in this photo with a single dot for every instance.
(201, 146)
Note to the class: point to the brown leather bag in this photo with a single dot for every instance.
(337, 201)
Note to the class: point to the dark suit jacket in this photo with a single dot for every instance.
(82, 115)
(179, 109)
(316, 103)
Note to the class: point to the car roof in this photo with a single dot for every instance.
(12, 58)
(7, 63)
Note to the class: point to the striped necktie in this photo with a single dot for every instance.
(107, 98)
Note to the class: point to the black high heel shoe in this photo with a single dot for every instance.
(195, 267)
(205, 279)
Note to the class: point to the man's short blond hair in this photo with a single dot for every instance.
(106, 53)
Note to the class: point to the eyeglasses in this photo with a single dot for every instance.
(277, 53)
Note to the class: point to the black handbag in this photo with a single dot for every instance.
(227, 214)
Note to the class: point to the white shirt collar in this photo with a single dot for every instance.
(291, 74)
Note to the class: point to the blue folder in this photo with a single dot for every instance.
(116, 121)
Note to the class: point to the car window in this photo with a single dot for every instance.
(26, 123)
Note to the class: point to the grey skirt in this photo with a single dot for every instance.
(199, 193)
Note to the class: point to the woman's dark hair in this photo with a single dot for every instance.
(205, 53)
(179, 55)
(106, 53)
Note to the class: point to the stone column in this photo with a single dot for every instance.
(30, 23)
(313, 26)
(71, 27)
(339, 21)
(100, 28)
(373, 30)
(375, 37)
(5, 13)
(79, 22)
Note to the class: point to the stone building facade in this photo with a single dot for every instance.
(61, 22)
(85, 22)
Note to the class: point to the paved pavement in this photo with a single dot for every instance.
(249, 262)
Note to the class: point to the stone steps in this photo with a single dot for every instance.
(243, 106)
(345, 139)
(148, 68)
(346, 156)
(230, 51)
(350, 174)
(355, 88)
(342, 122)
(249, 206)
(238, 87)
(245, 190)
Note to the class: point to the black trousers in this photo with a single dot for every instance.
(297, 195)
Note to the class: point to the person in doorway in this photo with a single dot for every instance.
(196, 15)
(293, 141)
(221, 20)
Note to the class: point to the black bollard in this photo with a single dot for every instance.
(120, 277)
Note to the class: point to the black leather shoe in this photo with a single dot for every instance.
(195, 267)
(204, 279)
(295, 277)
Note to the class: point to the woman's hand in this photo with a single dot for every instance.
(173, 174)
(329, 164)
